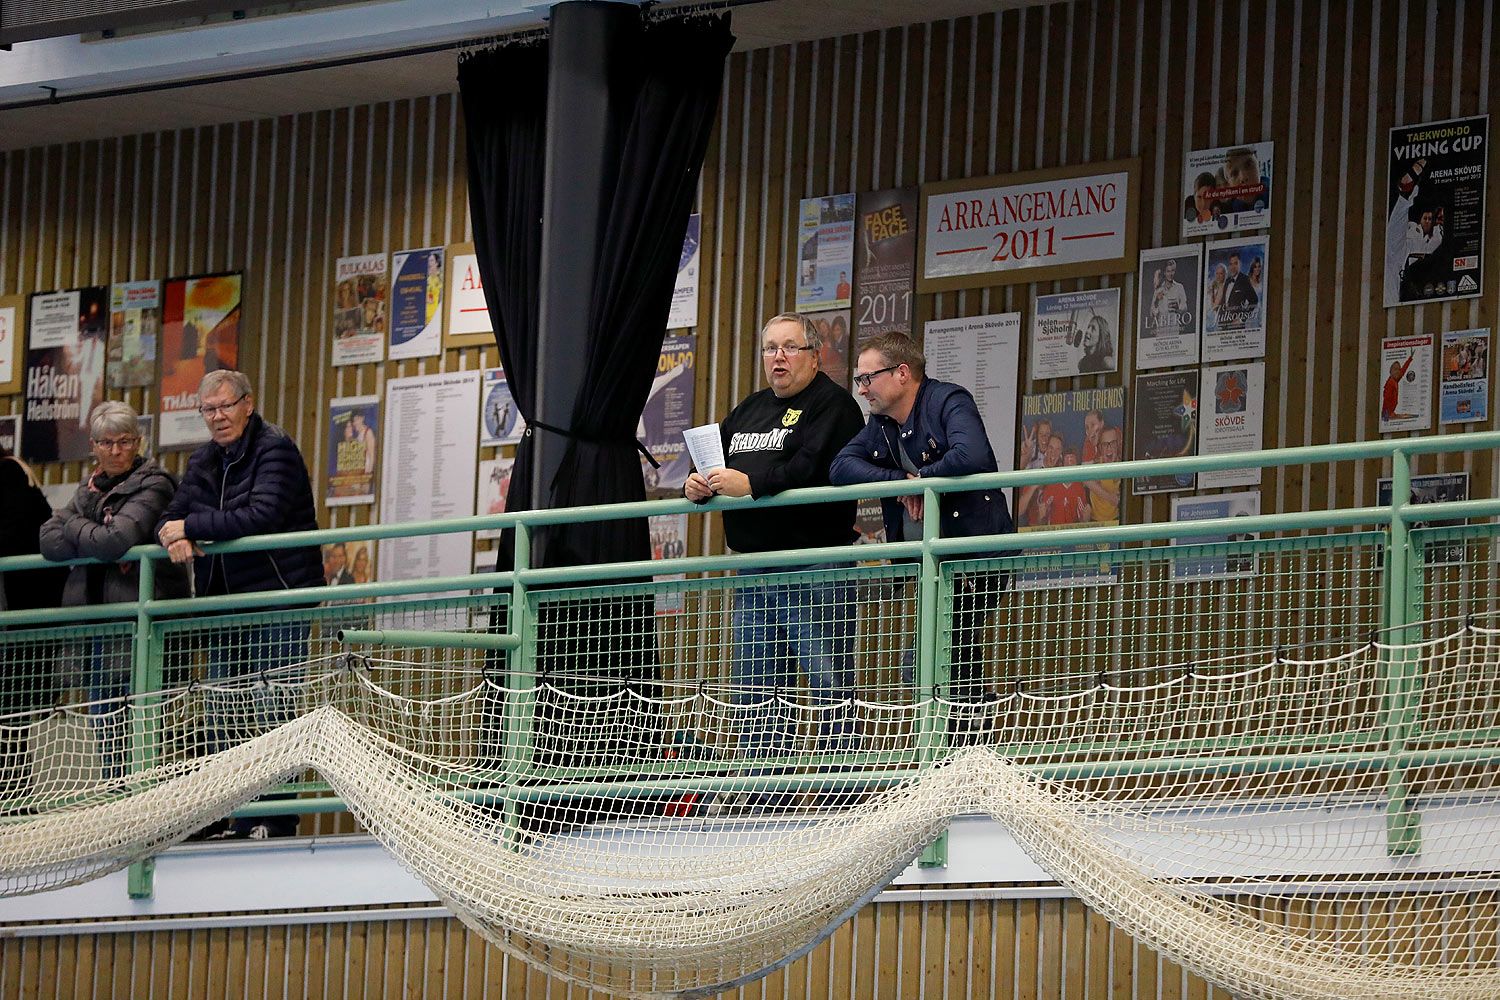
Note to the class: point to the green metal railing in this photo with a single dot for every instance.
(1115, 604)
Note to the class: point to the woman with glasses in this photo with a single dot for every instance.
(115, 508)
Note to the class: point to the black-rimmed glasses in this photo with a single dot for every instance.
(864, 380)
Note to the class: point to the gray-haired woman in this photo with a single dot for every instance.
(115, 508)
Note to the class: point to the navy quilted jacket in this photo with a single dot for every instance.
(256, 486)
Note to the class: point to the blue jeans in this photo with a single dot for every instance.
(774, 622)
(108, 686)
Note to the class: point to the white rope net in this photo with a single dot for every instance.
(644, 840)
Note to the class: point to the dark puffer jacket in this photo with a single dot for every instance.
(102, 524)
(23, 510)
(256, 486)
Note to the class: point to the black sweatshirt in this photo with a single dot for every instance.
(784, 444)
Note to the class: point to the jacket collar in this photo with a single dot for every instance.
(237, 448)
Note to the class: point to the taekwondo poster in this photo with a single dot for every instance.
(359, 295)
(1165, 426)
(887, 262)
(1227, 189)
(982, 354)
(1075, 333)
(12, 322)
(1236, 279)
(667, 413)
(1169, 307)
(684, 311)
(1465, 391)
(134, 325)
(1434, 202)
(1444, 487)
(825, 252)
(352, 452)
(499, 417)
(1219, 561)
(64, 372)
(416, 312)
(1232, 400)
(1406, 396)
(200, 333)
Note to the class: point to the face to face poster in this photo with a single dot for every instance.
(886, 268)
(1233, 419)
(1434, 234)
(1075, 333)
(825, 253)
(352, 450)
(494, 487)
(1444, 487)
(668, 412)
(64, 373)
(200, 333)
(416, 313)
(1236, 280)
(359, 309)
(1406, 396)
(1219, 562)
(12, 341)
(499, 417)
(1165, 426)
(684, 311)
(1170, 313)
(1465, 377)
(1227, 189)
(134, 324)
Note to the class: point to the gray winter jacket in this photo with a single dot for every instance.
(97, 525)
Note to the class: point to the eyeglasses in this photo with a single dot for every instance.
(209, 411)
(790, 350)
(864, 380)
(114, 444)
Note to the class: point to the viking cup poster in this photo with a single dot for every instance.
(886, 261)
(1434, 204)
(416, 311)
(200, 333)
(1169, 307)
(134, 325)
(64, 372)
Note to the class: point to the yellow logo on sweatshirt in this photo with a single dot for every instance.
(790, 417)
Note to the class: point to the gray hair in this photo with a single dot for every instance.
(237, 382)
(111, 417)
(809, 330)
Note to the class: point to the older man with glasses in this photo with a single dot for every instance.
(248, 480)
(780, 438)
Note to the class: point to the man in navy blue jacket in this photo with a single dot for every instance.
(249, 480)
(922, 427)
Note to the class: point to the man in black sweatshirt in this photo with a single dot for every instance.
(781, 438)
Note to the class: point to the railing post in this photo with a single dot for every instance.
(928, 679)
(145, 676)
(520, 679)
(1403, 821)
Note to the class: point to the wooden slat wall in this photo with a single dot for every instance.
(1038, 87)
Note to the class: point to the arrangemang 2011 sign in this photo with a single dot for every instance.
(1040, 225)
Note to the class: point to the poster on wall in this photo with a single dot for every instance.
(669, 541)
(12, 323)
(352, 452)
(1443, 487)
(684, 311)
(825, 252)
(1042, 225)
(10, 433)
(982, 354)
(416, 312)
(833, 357)
(1434, 233)
(1227, 189)
(359, 297)
(1236, 280)
(1075, 333)
(349, 562)
(1215, 564)
(1170, 314)
(145, 429)
(667, 413)
(134, 327)
(200, 333)
(494, 487)
(1406, 395)
(499, 417)
(1232, 399)
(1465, 374)
(64, 372)
(886, 268)
(1165, 426)
(468, 315)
